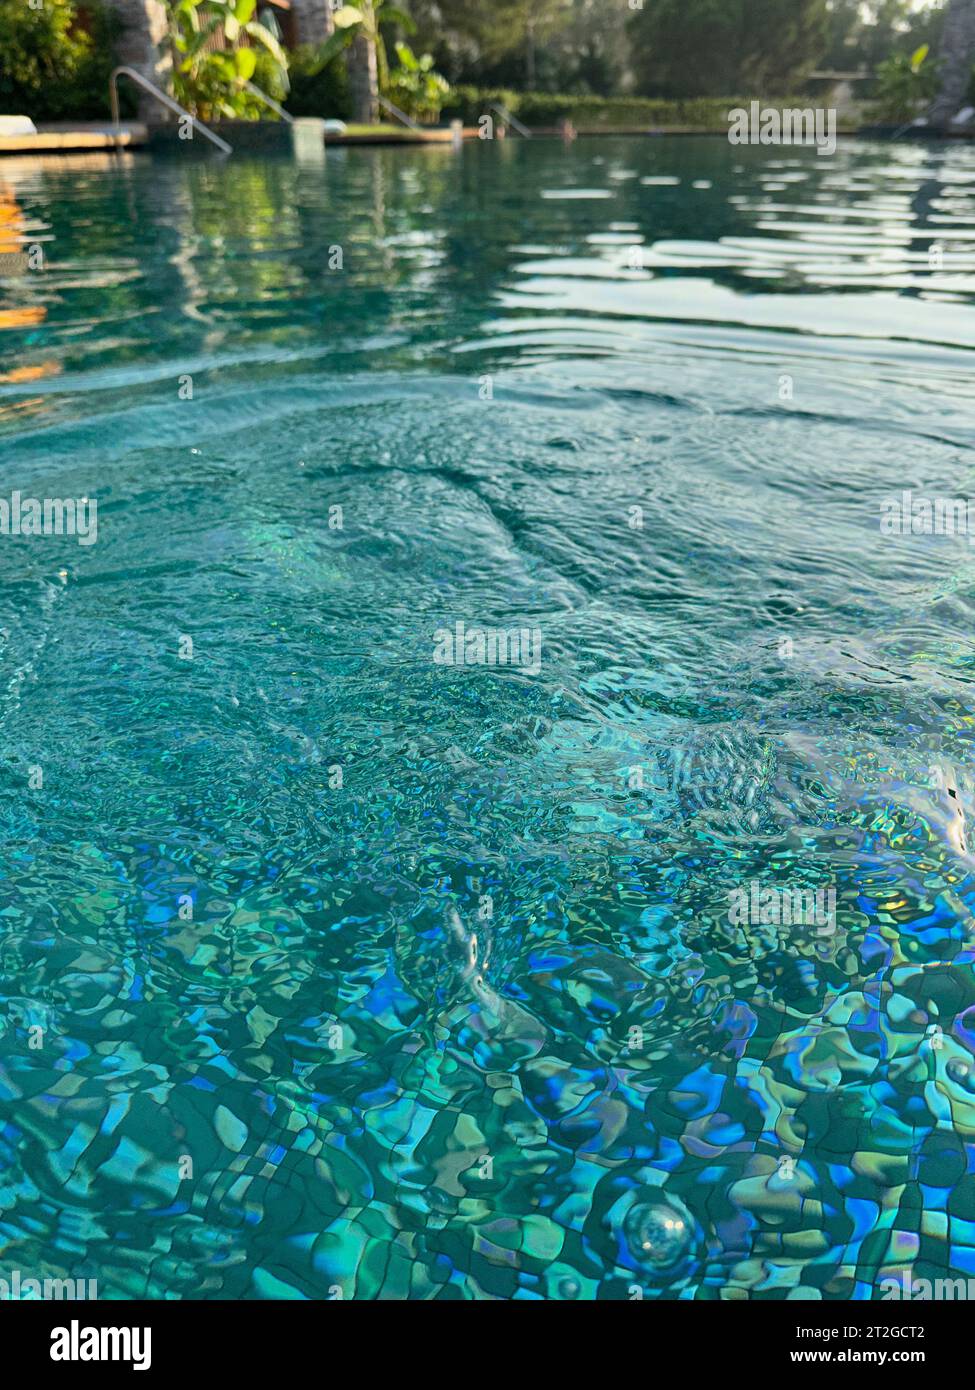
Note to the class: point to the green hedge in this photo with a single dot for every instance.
(540, 109)
(52, 66)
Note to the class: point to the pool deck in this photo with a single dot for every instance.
(69, 139)
(89, 136)
(80, 136)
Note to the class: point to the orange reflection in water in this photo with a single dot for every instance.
(21, 315)
(11, 220)
(19, 374)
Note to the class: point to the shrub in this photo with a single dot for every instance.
(51, 68)
(415, 87)
(906, 83)
(213, 83)
(539, 109)
(318, 91)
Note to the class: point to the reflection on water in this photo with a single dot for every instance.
(14, 261)
(355, 971)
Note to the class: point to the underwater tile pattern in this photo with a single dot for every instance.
(331, 972)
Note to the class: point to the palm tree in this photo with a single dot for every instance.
(364, 81)
(357, 28)
(957, 53)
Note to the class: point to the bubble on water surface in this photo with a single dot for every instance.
(659, 1230)
(654, 1235)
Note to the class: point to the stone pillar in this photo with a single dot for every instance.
(144, 45)
(312, 20)
(957, 53)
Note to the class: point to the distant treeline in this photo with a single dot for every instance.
(668, 49)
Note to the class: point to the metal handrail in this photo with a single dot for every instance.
(269, 101)
(506, 115)
(401, 115)
(166, 101)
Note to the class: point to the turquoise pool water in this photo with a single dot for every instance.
(330, 969)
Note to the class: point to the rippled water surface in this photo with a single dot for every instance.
(328, 970)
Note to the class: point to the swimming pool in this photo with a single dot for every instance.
(334, 968)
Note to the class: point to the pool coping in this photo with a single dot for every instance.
(68, 139)
(82, 137)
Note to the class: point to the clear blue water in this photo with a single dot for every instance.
(249, 1046)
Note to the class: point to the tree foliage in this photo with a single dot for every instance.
(667, 48)
(51, 68)
(905, 85)
(415, 86)
(213, 81)
(365, 20)
(714, 47)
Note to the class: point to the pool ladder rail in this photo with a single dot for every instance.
(172, 105)
(401, 116)
(511, 120)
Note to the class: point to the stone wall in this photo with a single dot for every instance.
(143, 46)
